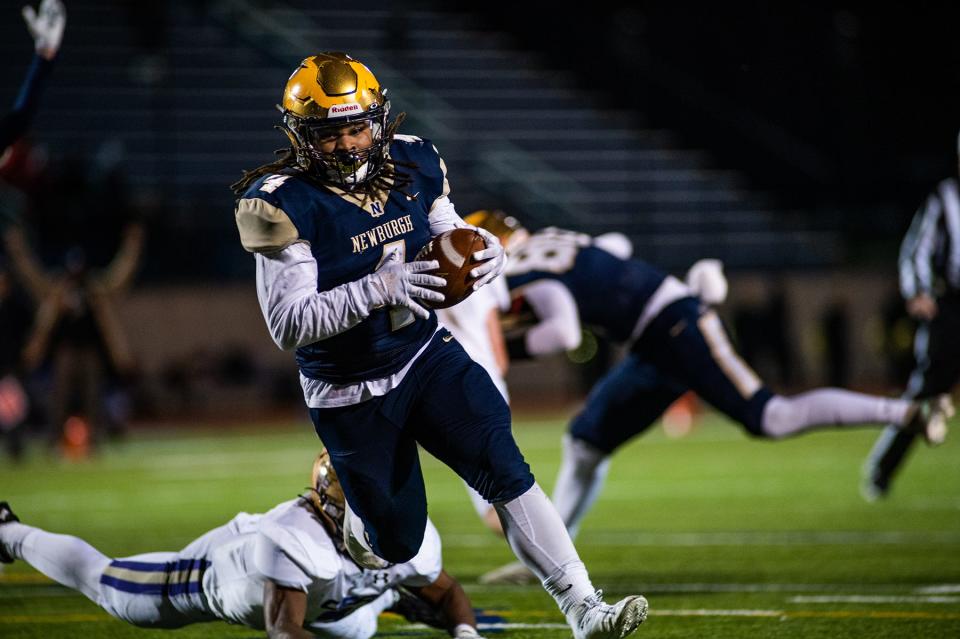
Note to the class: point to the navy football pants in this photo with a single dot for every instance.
(681, 349)
(446, 403)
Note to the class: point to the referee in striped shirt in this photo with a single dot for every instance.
(930, 284)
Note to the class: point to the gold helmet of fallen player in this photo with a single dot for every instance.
(327, 92)
(506, 227)
(327, 494)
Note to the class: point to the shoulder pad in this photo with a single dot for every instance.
(264, 228)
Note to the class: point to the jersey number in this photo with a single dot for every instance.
(549, 251)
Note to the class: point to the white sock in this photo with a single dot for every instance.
(785, 416)
(539, 539)
(583, 471)
(67, 560)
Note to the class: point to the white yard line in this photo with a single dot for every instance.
(875, 599)
(738, 538)
(939, 589)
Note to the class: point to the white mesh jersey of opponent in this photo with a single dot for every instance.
(290, 548)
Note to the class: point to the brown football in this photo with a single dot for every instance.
(453, 250)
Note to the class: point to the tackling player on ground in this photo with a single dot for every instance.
(285, 571)
(331, 224)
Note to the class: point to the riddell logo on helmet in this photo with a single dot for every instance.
(344, 109)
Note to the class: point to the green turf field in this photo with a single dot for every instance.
(727, 537)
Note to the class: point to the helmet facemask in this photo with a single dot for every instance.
(343, 168)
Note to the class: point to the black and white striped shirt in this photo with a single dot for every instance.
(930, 254)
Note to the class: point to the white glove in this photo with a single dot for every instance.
(397, 283)
(46, 26)
(496, 259)
(706, 279)
(466, 631)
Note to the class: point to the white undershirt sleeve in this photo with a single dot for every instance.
(296, 314)
(559, 326)
(444, 217)
(273, 563)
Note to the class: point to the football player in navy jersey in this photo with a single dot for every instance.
(676, 343)
(332, 224)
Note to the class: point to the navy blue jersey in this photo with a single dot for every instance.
(348, 242)
(610, 293)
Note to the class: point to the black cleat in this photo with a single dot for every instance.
(6, 516)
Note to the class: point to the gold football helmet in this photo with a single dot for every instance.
(506, 227)
(327, 92)
(327, 494)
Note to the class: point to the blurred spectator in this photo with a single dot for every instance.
(15, 318)
(46, 26)
(76, 327)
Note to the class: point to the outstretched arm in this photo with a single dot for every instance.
(284, 611)
(46, 28)
(447, 595)
(26, 265)
(558, 326)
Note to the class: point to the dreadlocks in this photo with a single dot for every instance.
(387, 178)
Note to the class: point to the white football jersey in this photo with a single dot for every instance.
(291, 548)
(467, 321)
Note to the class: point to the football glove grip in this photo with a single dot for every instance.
(443, 217)
(494, 259)
(46, 26)
(397, 283)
